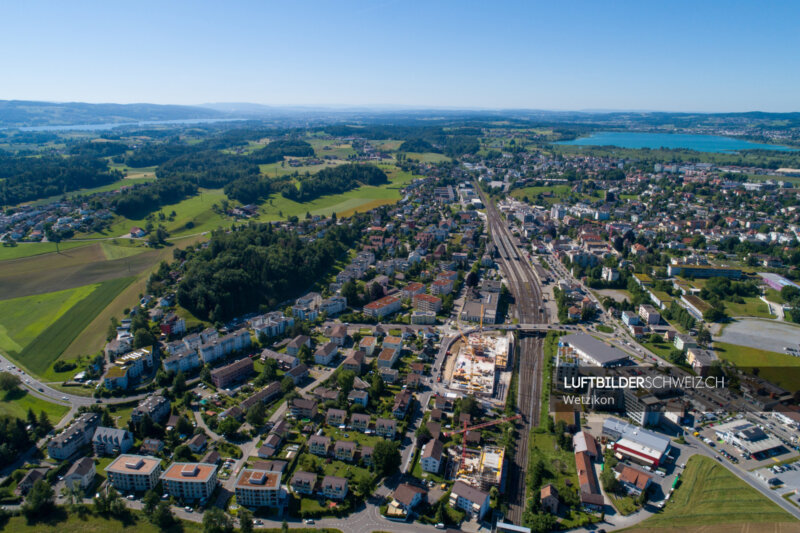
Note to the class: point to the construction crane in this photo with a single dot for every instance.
(464, 430)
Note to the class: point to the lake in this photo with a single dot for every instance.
(700, 143)
(112, 125)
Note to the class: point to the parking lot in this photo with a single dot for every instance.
(744, 462)
(789, 478)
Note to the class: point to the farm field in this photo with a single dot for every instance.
(41, 352)
(16, 403)
(276, 170)
(28, 249)
(427, 157)
(93, 337)
(340, 150)
(70, 269)
(23, 319)
(710, 495)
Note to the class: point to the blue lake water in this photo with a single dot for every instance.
(700, 143)
(112, 125)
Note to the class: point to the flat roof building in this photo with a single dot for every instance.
(594, 352)
(134, 473)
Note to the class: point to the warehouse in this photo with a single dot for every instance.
(593, 352)
(637, 444)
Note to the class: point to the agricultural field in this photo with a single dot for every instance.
(427, 157)
(40, 338)
(28, 249)
(23, 319)
(16, 403)
(73, 268)
(710, 495)
(323, 147)
(283, 168)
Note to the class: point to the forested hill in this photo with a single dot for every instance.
(21, 113)
(258, 264)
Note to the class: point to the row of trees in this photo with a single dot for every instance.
(333, 181)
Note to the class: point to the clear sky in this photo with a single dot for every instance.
(559, 55)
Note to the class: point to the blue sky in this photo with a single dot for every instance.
(672, 56)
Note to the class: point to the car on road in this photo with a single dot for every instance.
(40, 389)
(65, 398)
(309, 521)
(131, 497)
(439, 526)
(188, 509)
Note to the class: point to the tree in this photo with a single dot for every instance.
(346, 379)
(150, 501)
(142, 338)
(44, 423)
(364, 486)
(40, 500)
(703, 336)
(216, 521)
(256, 414)
(162, 516)
(284, 527)
(471, 279)
(179, 384)
(287, 384)
(229, 427)
(789, 293)
(205, 374)
(8, 381)
(245, 520)
(386, 457)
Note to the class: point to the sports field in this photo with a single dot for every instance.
(710, 495)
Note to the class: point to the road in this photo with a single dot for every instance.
(524, 286)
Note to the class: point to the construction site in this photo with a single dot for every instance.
(482, 468)
(481, 366)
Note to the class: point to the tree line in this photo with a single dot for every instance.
(334, 181)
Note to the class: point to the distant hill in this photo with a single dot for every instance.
(21, 113)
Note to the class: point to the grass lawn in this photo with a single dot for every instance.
(39, 354)
(774, 296)
(625, 504)
(661, 349)
(337, 434)
(557, 191)
(63, 523)
(752, 306)
(770, 364)
(24, 319)
(28, 249)
(16, 403)
(604, 329)
(282, 168)
(709, 494)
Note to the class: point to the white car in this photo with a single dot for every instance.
(309, 521)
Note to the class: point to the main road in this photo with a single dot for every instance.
(524, 286)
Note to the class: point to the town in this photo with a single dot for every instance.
(417, 383)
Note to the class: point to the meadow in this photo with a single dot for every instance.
(29, 249)
(772, 365)
(709, 494)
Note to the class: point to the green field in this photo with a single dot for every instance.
(774, 296)
(709, 494)
(136, 176)
(16, 403)
(752, 306)
(61, 523)
(57, 329)
(115, 251)
(558, 192)
(23, 319)
(427, 157)
(340, 150)
(196, 209)
(28, 249)
(770, 364)
(276, 170)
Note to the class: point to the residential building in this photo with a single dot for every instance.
(303, 408)
(649, 314)
(383, 307)
(359, 421)
(590, 494)
(224, 346)
(388, 357)
(548, 498)
(190, 481)
(335, 417)
(344, 450)
(334, 488)
(294, 346)
(469, 499)
(368, 345)
(225, 376)
(258, 488)
(431, 458)
(386, 428)
(319, 445)
(298, 373)
(80, 474)
(409, 496)
(325, 353)
(134, 473)
(303, 482)
(157, 407)
(198, 443)
(427, 302)
(111, 441)
(76, 436)
(285, 361)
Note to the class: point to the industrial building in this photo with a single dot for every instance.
(636, 444)
(594, 352)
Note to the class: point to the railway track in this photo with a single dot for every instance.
(528, 302)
